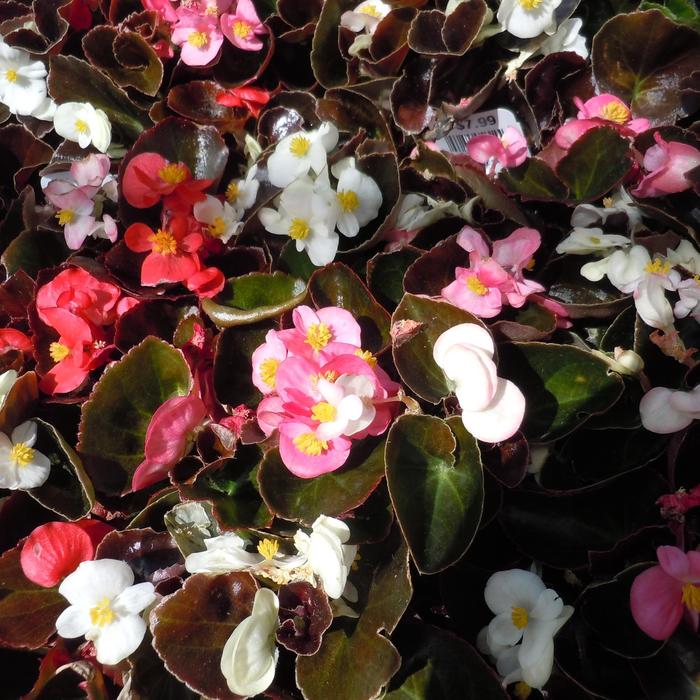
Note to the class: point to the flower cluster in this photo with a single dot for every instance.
(322, 390)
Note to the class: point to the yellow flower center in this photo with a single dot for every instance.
(348, 200)
(658, 266)
(173, 173)
(519, 617)
(211, 10)
(299, 146)
(367, 356)
(11, 75)
(298, 230)
(58, 351)
(81, 126)
(268, 548)
(102, 614)
(607, 202)
(198, 39)
(318, 336)
(594, 240)
(232, 192)
(268, 371)
(615, 112)
(217, 227)
(323, 412)
(530, 4)
(330, 376)
(477, 286)
(242, 29)
(21, 454)
(164, 242)
(691, 597)
(65, 216)
(522, 690)
(371, 10)
(309, 444)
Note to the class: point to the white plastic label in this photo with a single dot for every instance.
(493, 122)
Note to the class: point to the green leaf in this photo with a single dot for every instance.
(534, 179)
(28, 612)
(416, 324)
(595, 163)
(643, 57)
(292, 498)
(385, 272)
(563, 385)
(34, 250)
(337, 285)
(68, 490)
(115, 418)
(254, 297)
(436, 483)
(326, 60)
(191, 626)
(681, 11)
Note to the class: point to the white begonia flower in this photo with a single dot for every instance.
(358, 196)
(105, 607)
(21, 466)
(567, 38)
(7, 381)
(583, 241)
(329, 556)
(306, 214)
(528, 615)
(249, 657)
(619, 202)
(686, 256)
(492, 408)
(228, 553)
(298, 153)
(241, 194)
(624, 268)
(666, 411)
(527, 19)
(22, 81)
(650, 296)
(365, 17)
(689, 302)
(222, 220)
(82, 123)
(347, 407)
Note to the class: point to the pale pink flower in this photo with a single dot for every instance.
(666, 411)
(243, 27)
(198, 36)
(610, 109)
(266, 360)
(508, 151)
(667, 164)
(662, 594)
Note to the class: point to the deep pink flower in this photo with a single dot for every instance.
(198, 36)
(509, 151)
(676, 505)
(477, 288)
(243, 27)
(573, 130)
(667, 164)
(252, 98)
(266, 359)
(12, 339)
(163, 8)
(514, 254)
(609, 108)
(306, 455)
(168, 438)
(660, 595)
(206, 283)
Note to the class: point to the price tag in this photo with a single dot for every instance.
(493, 122)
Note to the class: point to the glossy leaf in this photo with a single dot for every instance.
(20, 402)
(534, 179)
(385, 273)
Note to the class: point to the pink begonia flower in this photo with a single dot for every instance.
(163, 8)
(567, 134)
(243, 27)
(611, 109)
(198, 37)
(306, 455)
(492, 408)
(667, 164)
(514, 254)
(270, 414)
(266, 359)
(662, 594)
(665, 411)
(559, 310)
(168, 438)
(509, 151)
(321, 334)
(676, 505)
(477, 289)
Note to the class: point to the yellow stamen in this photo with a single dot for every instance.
(607, 202)
(102, 614)
(323, 412)
(371, 10)
(242, 29)
(530, 4)
(268, 548)
(367, 356)
(615, 112)
(173, 173)
(65, 216)
(594, 240)
(217, 227)
(691, 597)
(299, 146)
(164, 242)
(519, 617)
(348, 200)
(658, 266)
(11, 75)
(58, 351)
(21, 454)
(299, 230)
(268, 371)
(477, 286)
(309, 444)
(522, 690)
(232, 192)
(198, 39)
(318, 336)
(330, 376)
(81, 126)
(696, 279)
(211, 10)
